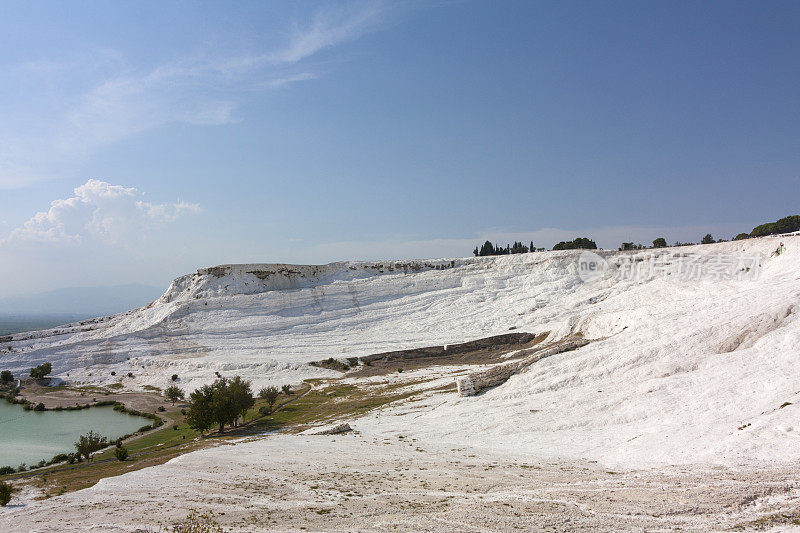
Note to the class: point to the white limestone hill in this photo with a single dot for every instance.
(680, 358)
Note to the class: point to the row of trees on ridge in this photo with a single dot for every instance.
(488, 248)
(784, 225)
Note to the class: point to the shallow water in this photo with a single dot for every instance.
(28, 436)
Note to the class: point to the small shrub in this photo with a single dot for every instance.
(399, 370)
(174, 377)
(5, 470)
(6, 376)
(198, 523)
(121, 453)
(183, 412)
(173, 393)
(270, 394)
(39, 407)
(41, 371)
(22, 467)
(145, 428)
(89, 443)
(41, 464)
(113, 373)
(287, 389)
(175, 427)
(60, 458)
(130, 374)
(161, 409)
(6, 490)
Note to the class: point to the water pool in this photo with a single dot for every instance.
(28, 436)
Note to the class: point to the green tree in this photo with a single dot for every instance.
(519, 248)
(241, 397)
(121, 453)
(270, 394)
(220, 403)
(222, 407)
(6, 490)
(200, 414)
(90, 443)
(741, 236)
(174, 393)
(41, 371)
(6, 376)
(580, 243)
(487, 249)
(784, 225)
(708, 239)
(660, 242)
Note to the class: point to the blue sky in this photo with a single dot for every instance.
(142, 140)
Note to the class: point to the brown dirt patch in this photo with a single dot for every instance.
(487, 350)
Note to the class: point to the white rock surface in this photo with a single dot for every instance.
(676, 366)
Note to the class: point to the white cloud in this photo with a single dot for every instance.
(168, 212)
(328, 29)
(131, 104)
(281, 82)
(113, 101)
(100, 212)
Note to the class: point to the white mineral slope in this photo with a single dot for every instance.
(352, 482)
(266, 322)
(702, 371)
(676, 365)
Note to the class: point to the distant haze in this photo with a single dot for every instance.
(80, 302)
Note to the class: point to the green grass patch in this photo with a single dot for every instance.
(323, 404)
